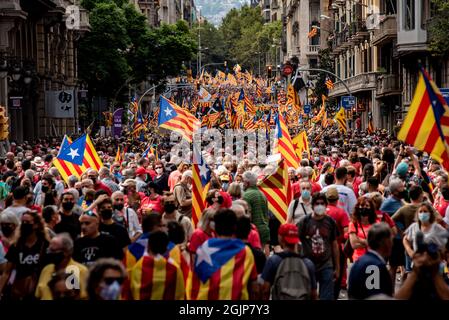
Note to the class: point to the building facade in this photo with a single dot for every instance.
(38, 64)
(167, 11)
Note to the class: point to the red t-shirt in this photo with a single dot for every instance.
(155, 204)
(362, 233)
(253, 237)
(385, 217)
(315, 187)
(101, 186)
(296, 190)
(227, 199)
(198, 238)
(341, 218)
(442, 206)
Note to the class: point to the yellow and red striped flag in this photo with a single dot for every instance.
(370, 128)
(313, 32)
(118, 156)
(340, 118)
(426, 125)
(301, 144)
(201, 175)
(173, 117)
(277, 190)
(284, 144)
(76, 157)
(155, 278)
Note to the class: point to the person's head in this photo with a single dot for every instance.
(207, 222)
(225, 222)
(186, 177)
(235, 191)
(214, 198)
(243, 227)
(152, 222)
(9, 224)
(416, 194)
(306, 190)
(238, 209)
(368, 171)
(319, 204)
(90, 224)
(92, 174)
(59, 288)
(87, 184)
(364, 211)
(157, 243)
(104, 173)
(118, 200)
(380, 239)
(176, 233)
(245, 206)
(372, 184)
(292, 174)
(116, 167)
(20, 194)
(129, 186)
(397, 188)
(332, 195)
(60, 249)
(105, 209)
(377, 199)
(72, 180)
(288, 236)
(67, 201)
(105, 280)
(169, 203)
(31, 224)
(159, 167)
(249, 179)
(141, 173)
(329, 179)
(425, 213)
(445, 192)
(51, 215)
(341, 175)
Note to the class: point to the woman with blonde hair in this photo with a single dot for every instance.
(204, 230)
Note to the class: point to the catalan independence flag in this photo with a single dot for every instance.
(277, 190)
(223, 270)
(175, 253)
(284, 144)
(340, 118)
(426, 125)
(301, 144)
(76, 157)
(156, 278)
(201, 175)
(173, 117)
(118, 156)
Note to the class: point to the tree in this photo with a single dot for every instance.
(211, 39)
(320, 86)
(439, 29)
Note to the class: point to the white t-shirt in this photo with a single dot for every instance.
(18, 211)
(347, 199)
(436, 234)
(299, 211)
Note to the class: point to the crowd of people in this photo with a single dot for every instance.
(368, 219)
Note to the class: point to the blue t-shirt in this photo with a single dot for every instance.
(391, 205)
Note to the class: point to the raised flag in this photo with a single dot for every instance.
(313, 32)
(204, 95)
(277, 190)
(173, 117)
(340, 118)
(118, 156)
(301, 144)
(329, 84)
(76, 157)
(284, 144)
(201, 175)
(223, 270)
(426, 125)
(370, 128)
(237, 68)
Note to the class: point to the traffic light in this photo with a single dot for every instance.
(4, 126)
(269, 71)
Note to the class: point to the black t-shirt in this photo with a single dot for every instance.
(118, 232)
(87, 250)
(364, 161)
(69, 224)
(27, 260)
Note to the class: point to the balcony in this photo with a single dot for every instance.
(358, 83)
(313, 50)
(388, 30)
(387, 85)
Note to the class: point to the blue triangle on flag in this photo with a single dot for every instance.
(166, 111)
(74, 152)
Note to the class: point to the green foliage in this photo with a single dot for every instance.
(211, 39)
(326, 63)
(439, 28)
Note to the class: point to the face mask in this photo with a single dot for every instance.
(85, 191)
(67, 206)
(55, 257)
(119, 207)
(305, 194)
(45, 189)
(317, 159)
(319, 209)
(111, 292)
(159, 170)
(423, 216)
(7, 230)
(106, 214)
(169, 207)
(365, 212)
(26, 229)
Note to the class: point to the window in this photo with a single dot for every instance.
(409, 14)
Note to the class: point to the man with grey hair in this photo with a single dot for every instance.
(258, 206)
(107, 178)
(59, 257)
(361, 283)
(183, 194)
(72, 180)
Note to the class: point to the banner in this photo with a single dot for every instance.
(117, 129)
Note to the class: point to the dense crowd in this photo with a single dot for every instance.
(368, 218)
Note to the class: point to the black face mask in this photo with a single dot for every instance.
(55, 257)
(67, 206)
(106, 214)
(119, 207)
(80, 192)
(45, 189)
(169, 207)
(365, 212)
(7, 230)
(26, 229)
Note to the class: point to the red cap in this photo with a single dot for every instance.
(289, 232)
(140, 170)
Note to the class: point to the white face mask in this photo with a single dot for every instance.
(159, 170)
(319, 209)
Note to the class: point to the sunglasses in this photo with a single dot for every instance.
(158, 167)
(111, 280)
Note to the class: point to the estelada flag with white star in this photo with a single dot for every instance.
(173, 117)
(76, 157)
(222, 270)
(201, 175)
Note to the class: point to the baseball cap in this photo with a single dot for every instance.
(332, 193)
(129, 182)
(140, 170)
(289, 232)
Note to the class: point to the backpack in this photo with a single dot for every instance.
(292, 280)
